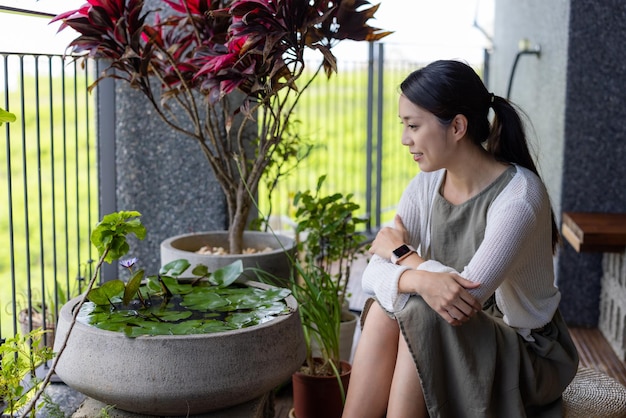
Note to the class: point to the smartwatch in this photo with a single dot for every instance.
(401, 253)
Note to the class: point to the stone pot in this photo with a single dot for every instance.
(277, 262)
(179, 375)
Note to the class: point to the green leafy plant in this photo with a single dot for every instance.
(109, 237)
(6, 116)
(19, 358)
(332, 235)
(331, 238)
(198, 52)
(331, 241)
(212, 302)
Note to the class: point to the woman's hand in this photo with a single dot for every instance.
(446, 293)
(389, 238)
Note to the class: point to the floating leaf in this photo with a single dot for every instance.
(193, 308)
(246, 300)
(240, 320)
(175, 268)
(172, 316)
(273, 309)
(225, 276)
(276, 294)
(214, 326)
(204, 301)
(200, 270)
(103, 294)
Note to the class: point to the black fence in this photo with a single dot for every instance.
(49, 180)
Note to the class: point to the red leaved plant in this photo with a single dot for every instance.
(200, 51)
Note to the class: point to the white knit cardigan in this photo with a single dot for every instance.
(514, 260)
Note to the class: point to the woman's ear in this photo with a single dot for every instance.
(459, 126)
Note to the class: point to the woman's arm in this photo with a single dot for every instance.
(444, 290)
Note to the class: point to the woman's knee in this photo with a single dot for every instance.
(378, 321)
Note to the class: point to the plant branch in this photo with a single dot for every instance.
(31, 404)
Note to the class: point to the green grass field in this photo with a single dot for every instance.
(333, 115)
(44, 229)
(48, 181)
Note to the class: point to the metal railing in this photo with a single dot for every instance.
(49, 174)
(48, 181)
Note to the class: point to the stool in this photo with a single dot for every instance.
(594, 394)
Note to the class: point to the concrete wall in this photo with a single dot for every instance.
(163, 175)
(574, 96)
(538, 87)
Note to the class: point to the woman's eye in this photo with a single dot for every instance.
(409, 126)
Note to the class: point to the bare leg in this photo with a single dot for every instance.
(406, 395)
(373, 366)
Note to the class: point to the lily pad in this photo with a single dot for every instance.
(204, 301)
(168, 306)
(102, 295)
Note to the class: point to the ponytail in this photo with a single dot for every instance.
(507, 143)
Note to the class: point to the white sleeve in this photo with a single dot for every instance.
(381, 277)
(517, 222)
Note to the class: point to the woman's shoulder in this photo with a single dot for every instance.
(528, 178)
(526, 186)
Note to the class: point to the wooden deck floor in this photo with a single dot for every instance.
(595, 352)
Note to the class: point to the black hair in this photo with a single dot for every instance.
(447, 88)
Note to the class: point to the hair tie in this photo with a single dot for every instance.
(493, 98)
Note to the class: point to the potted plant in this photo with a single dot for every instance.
(44, 314)
(39, 316)
(170, 353)
(331, 240)
(211, 67)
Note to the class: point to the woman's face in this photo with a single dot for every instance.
(427, 139)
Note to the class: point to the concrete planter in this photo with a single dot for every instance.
(276, 262)
(179, 375)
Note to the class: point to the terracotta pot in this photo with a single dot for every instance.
(47, 340)
(319, 396)
(276, 262)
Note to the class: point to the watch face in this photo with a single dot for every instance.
(402, 250)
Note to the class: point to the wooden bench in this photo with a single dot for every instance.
(595, 231)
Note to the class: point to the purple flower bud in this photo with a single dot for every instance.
(128, 263)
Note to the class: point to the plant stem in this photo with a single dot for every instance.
(31, 404)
